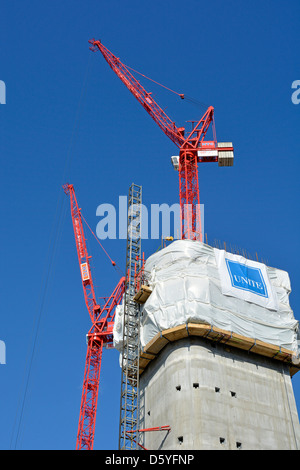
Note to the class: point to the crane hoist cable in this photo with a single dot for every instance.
(114, 264)
(50, 259)
(53, 246)
(183, 96)
(157, 83)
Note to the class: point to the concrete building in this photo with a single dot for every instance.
(216, 365)
(217, 397)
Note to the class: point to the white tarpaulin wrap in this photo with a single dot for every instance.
(118, 327)
(188, 286)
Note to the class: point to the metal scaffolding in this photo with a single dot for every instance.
(129, 405)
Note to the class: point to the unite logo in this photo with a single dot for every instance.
(247, 278)
(2, 92)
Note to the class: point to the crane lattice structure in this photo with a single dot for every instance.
(100, 333)
(192, 147)
(129, 401)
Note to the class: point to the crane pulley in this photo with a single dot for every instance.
(192, 147)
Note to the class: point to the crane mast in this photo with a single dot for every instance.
(100, 333)
(192, 148)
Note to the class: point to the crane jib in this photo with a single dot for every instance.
(189, 146)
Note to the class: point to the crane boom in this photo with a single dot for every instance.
(83, 257)
(192, 149)
(144, 97)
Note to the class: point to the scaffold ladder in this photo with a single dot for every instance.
(129, 401)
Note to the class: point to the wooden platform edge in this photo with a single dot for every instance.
(159, 341)
(142, 295)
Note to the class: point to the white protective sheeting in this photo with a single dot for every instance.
(190, 284)
(118, 327)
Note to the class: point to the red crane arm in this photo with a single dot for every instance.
(192, 149)
(144, 97)
(102, 327)
(194, 140)
(100, 334)
(83, 257)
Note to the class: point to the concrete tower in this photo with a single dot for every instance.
(219, 348)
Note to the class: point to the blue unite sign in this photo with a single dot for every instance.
(246, 278)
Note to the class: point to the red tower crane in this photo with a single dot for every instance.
(192, 147)
(100, 333)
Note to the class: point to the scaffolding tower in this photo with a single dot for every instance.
(129, 402)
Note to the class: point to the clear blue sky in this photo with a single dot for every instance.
(69, 118)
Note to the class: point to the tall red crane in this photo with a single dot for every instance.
(100, 333)
(192, 147)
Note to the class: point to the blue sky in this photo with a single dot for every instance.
(69, 118)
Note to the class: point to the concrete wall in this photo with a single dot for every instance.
(215, 397)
